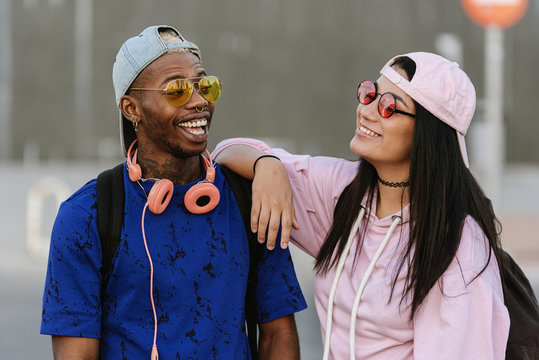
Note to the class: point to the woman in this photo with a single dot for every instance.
(405, 242)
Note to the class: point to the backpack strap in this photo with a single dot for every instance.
(110, 216)
(521, 303)
(242, 189)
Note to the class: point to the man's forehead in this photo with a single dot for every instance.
(179, 61)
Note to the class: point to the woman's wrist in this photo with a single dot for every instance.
(261, 157)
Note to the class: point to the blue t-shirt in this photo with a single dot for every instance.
(201, 265)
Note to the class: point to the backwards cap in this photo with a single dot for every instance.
(134, 56)
(441, 87)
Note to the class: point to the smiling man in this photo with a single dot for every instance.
(178, 279)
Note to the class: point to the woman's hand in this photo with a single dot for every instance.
(273, 205)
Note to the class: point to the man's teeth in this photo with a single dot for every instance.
(195, 131)
(194, 127)
(197, 123)
(367, 131)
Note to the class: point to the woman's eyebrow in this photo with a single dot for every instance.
(401, 100)
(396, 96)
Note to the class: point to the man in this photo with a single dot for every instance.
(178, 278)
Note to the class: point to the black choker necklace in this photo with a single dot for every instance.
(394, 184)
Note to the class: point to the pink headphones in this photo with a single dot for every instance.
(199, 199)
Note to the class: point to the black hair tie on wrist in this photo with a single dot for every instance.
(263, 156)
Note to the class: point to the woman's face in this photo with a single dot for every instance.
(385, 141)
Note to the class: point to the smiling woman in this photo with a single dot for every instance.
(406, 243)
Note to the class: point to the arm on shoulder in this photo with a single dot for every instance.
(279, 339)
(69, 347)
(272, 207)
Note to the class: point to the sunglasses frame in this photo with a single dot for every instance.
(197, 87)
(395, 110)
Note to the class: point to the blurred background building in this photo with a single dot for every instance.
(290, 70)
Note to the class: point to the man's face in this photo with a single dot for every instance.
(165, 129)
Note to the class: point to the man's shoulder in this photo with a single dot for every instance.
(84, 198)
(237, 182)
(220, 168)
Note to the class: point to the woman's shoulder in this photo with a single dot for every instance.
(320, 176)
(474, 254)
(474, 262)
(331, 169)
(334, 169)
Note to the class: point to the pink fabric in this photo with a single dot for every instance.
(468, 322)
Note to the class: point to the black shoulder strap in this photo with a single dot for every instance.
(521, 303)
(110, 215)
(241, 187)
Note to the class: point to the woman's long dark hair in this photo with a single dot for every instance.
(442, 193)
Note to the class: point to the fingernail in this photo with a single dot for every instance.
(284, 245)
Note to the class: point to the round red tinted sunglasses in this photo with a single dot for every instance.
(387, 105)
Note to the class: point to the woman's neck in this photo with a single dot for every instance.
(391, 200)
(393, 192)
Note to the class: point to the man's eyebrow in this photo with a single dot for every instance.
(201, 73)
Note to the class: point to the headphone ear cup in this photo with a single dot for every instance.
(135, 172)
(202, 198)
(160, 195)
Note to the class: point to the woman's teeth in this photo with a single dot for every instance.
(367, 131)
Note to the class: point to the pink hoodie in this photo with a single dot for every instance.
(459, 319)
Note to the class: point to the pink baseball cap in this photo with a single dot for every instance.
(441, 87)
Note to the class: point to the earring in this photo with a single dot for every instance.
(135, 125)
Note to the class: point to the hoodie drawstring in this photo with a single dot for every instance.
(340, 266)
(353, 316)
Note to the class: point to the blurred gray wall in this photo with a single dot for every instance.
(289, 68)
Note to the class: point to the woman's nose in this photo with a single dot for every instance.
(368, 111)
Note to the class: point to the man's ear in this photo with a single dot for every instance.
(131, 108)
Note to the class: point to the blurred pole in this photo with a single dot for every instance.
(6, 70)
(450, 47)
(83, 76)
(494, 134)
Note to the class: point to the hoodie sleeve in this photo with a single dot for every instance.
(317, 183)
(464, 316)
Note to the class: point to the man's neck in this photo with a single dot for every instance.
(178, 170)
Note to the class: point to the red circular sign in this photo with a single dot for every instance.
(498, 13)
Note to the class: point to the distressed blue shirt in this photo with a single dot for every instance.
(201, 265)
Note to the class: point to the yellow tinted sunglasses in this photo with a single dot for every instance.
(179, 91)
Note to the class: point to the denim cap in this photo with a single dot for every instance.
(441, 87)
(134, 56)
